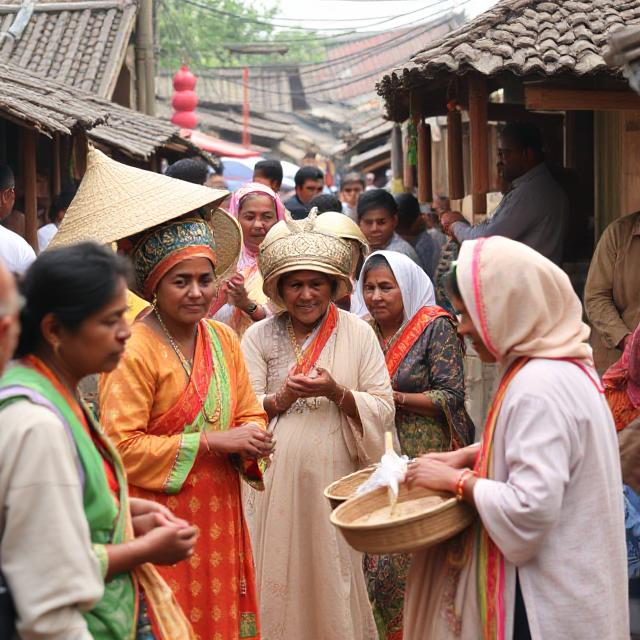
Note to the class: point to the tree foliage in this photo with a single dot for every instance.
(199, 32)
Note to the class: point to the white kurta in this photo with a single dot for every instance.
(46, 550)
(554, 509)
(310, 582)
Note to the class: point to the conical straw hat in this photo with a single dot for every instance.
(115, 201)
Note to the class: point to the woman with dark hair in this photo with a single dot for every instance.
(424, 358)
(321, 379)
(75, 549)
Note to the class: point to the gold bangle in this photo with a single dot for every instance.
(341, 401)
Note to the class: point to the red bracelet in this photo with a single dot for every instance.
(462, 478)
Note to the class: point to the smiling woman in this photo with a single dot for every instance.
(241, 301)
(185, 419)
(321, 378)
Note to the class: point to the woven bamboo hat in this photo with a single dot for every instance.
(296, 245)
(116, 201)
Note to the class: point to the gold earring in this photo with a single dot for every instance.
(56, 349)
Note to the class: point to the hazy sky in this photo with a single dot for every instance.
(363, 14)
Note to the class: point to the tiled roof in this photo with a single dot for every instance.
(79, 42)
(524, 37)
(52, 107)
(350, 69)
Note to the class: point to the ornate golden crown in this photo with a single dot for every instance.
(293, 245)
(297, 243)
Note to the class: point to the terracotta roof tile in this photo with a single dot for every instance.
(83, 46)
(542, 37)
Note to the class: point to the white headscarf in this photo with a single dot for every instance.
(415, 285)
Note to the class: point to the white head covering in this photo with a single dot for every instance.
(521, 303)
(415, 285)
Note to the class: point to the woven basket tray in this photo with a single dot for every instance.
(422, 518)
(337, 492)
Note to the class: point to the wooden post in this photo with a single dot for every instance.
(29, 171)
(454, 153)
(79, 152)
(408, 178)
(56, 174)
(425, 169)
(479, 142)
(396, 159)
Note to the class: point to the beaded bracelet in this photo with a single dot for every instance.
(462, 478)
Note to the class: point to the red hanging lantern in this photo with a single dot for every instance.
(184, 99)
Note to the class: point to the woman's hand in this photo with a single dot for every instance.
(429, 473)
(250, 440)
(458, 459)
(168, 544)
(147, 515)
(236, 293)
(313, 386)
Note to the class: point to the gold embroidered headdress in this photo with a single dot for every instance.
(296, 245)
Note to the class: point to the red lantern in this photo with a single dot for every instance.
(184, 99)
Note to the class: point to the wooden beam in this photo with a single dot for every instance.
(29, 171)
(479, 142)
(558, 99)
(455, 167)
(425, 169)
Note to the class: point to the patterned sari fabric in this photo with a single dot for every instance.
(156, 417)
(128, 598)
(432, 365)
(622, 384)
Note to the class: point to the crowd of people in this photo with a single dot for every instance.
(247, 350)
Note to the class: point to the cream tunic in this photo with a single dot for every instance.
(554, 509)
(46, 553)
(310, 582)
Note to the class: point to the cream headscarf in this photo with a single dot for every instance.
(415, 285)
(521, 303)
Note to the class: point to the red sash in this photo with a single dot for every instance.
(414, 329)
(313, 351)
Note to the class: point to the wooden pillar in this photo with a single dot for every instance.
(56, 174)
(454, 153)
(29, 171)
(425, 168)
(396, 159)
(79, 152)
(408, 179)
(479, 142)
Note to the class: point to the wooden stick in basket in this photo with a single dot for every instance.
(388, 448)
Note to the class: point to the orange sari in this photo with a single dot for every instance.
(156, 418)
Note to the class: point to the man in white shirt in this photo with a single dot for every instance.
(14, 250)
(56, 214)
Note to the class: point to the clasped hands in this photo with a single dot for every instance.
(318, 383)
(236, 292)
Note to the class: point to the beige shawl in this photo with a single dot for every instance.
(521, 303)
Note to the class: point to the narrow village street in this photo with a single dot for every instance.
(320, 320)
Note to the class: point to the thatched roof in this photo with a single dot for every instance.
(82, 43)
(52, 107)
(543, 38)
